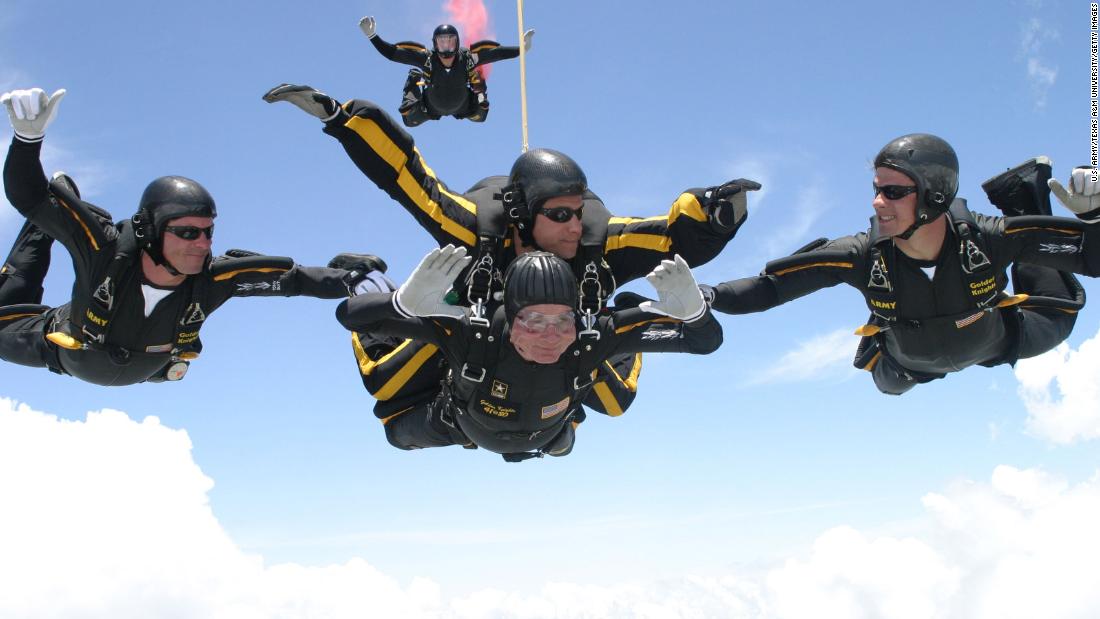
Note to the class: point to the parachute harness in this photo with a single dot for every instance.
(590, 301)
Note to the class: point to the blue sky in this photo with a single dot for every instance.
(749, 481)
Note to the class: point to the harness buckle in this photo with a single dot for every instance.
(590, 331)
(466, 373)
(973, 257)
(88, 335)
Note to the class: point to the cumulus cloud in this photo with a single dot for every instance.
(109, 517)
(825, 356)
(1061, 391)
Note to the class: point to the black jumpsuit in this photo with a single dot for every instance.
(518, 406)
(938, 328)
(138, 348)
(448, 91)
(410, 374)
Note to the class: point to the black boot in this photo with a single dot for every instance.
(1022, 190)
(364, 263)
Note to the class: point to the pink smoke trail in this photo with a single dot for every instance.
(472, 21)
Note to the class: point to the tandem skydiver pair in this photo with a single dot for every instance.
(544, 204)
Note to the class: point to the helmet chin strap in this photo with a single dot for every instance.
(158, 259)
(911, 229)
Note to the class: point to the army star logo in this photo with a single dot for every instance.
(499, 390)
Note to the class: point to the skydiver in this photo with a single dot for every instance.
(144, 286)
(544, 204)
(445, 80)
(933, 273)
(519, 378)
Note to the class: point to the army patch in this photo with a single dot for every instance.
(555, 409)
(499, 390)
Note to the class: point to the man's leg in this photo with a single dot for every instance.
(23, 336)
(1041, 328)
(420, 427)
(476, 109)
(412, 108)
(1038, 327)
(25, 268)
(892, 379)
(616, 384)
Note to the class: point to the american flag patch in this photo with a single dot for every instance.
(969, 320)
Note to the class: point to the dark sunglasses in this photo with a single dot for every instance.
(894, 192)
(561, 214)
(190, 233)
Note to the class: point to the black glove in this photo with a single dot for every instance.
(727, 204)
(627, 299)
(360, 267)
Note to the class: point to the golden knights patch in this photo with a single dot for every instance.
(497, 411)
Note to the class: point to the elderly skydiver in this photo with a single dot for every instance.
(144, 286)
(519, 377)
(933, 273)
(543, 204)
(446, 81)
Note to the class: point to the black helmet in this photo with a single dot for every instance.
(536, 176)
(538, 277)
(543, 173)
(441, 30)
(933, 166)
(165, 199)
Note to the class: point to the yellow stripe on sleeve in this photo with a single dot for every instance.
(88, 232)
(232, 274)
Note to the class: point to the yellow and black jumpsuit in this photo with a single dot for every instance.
(516, 407)
(410, 374)
(434, 90)
(928, 326)
(140, 345)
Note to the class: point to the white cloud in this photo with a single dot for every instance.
(827, 355)
(109, 517)
(1061, 391)
(1041, 75)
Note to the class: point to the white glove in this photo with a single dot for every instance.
(31, 111)
(367, 25)
(527, 36)
(375, 281)
(306, 98)
(1084, 192)
(423, 293)
(677, 293)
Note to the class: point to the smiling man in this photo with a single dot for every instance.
(144, 286)
(521, 377)
(933, 273)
